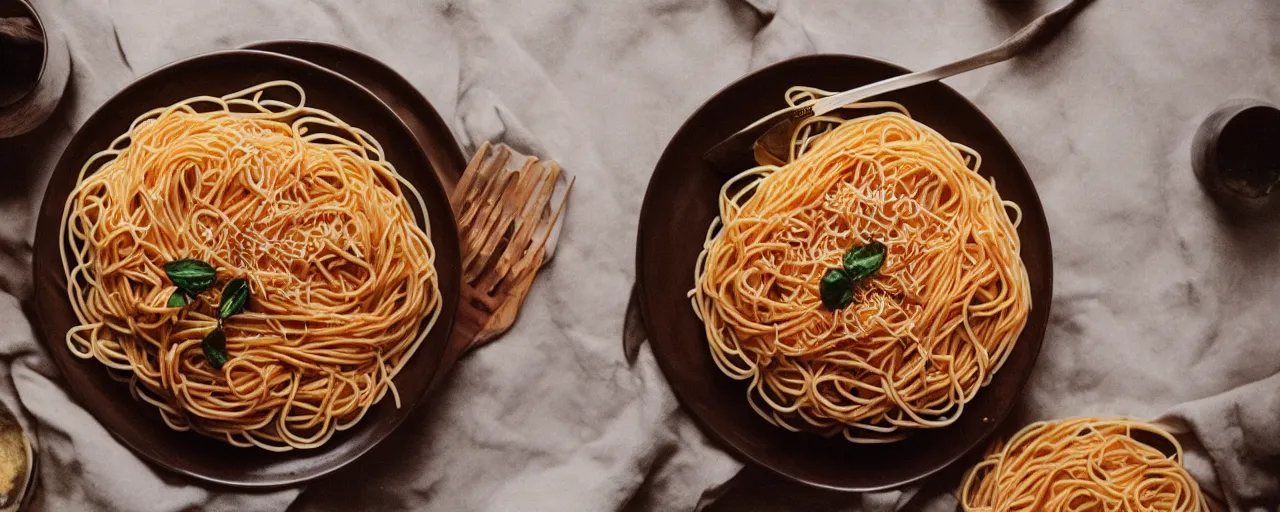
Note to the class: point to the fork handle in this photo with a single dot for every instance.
(1034, 33)
(466, 335)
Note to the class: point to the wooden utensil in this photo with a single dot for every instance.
(503, 208)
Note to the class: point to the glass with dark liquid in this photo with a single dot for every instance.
(35, 66)
(21, 53)
(1234, 154)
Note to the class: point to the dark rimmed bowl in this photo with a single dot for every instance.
(137, 424)
(681, 202)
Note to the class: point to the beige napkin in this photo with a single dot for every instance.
(1161, 302)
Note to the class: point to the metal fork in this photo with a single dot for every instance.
(769, 138)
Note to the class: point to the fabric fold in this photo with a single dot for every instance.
(1236, 432)
(1163, 302)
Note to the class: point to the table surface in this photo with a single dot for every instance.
(1164, 301)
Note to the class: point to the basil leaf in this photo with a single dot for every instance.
(836, 289)
(215, 348)
(178, 299)
(864, 261)
(235, 296)
(192, 276)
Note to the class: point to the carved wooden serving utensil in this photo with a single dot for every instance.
(503, 206)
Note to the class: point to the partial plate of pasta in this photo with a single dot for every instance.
(867, 313)
(246, 268)
(1083, 463)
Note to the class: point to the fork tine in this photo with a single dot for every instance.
(529, 244)
(550, 224)
(537, 209)
(522, 219)
(509, 229)
(475, 261)
(534, 210)
(469, 176)
(530, 264)
(494, 227)
(480, 185)
(484, 212)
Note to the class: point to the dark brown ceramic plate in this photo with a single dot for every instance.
(137, 424)
(432, 132)
(681, 203)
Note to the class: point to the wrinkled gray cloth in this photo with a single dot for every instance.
(1164, 303)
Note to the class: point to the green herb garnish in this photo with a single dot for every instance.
(235, 296)
(215, 348)
(178, 299)
(859, 263)
(864, 261)
(192, 276)
(836, 289)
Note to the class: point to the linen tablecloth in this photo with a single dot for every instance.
(1164, 304)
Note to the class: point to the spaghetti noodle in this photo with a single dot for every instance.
(922, 337)
(290, 198)
(1083, 464)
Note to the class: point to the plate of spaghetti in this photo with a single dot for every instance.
(246, 268)
(1084, 463)
(864, 314)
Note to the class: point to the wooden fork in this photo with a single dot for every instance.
(503, 208)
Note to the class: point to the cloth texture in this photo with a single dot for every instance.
(1164, 302)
